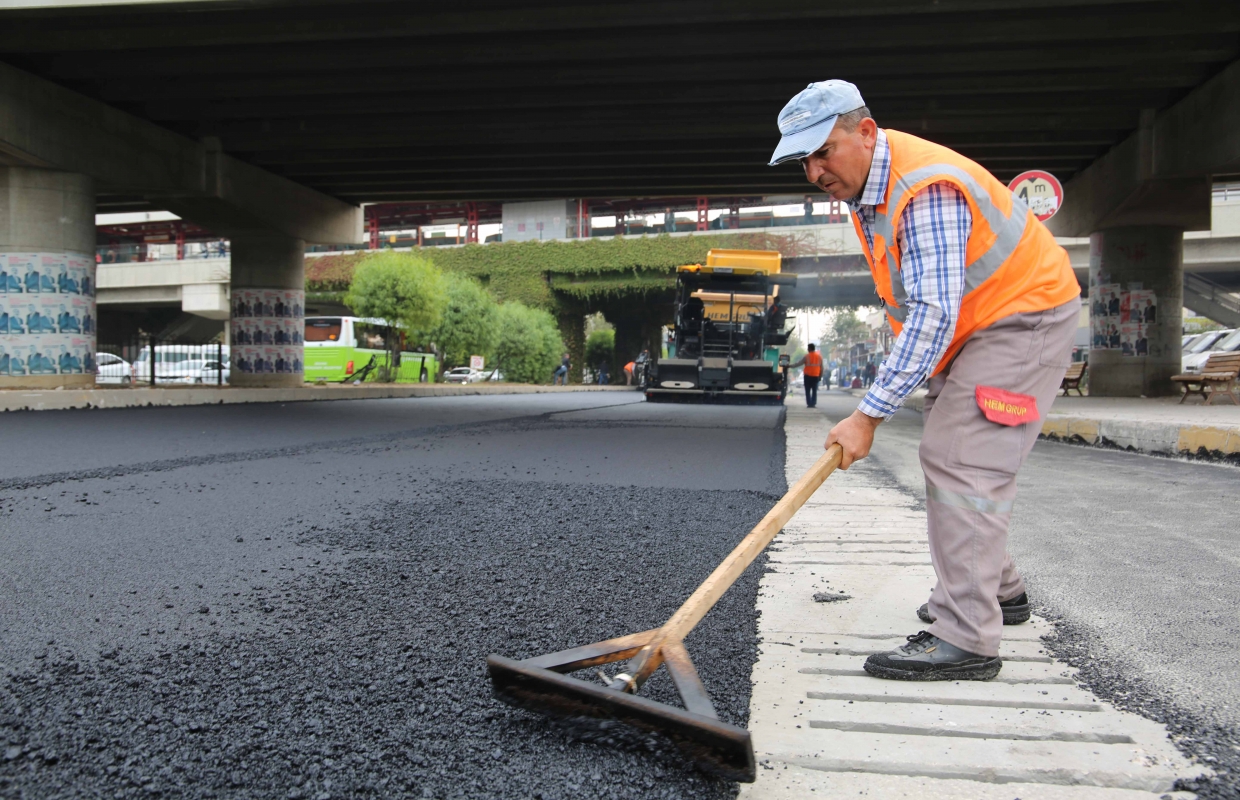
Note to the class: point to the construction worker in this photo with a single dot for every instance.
(984, 304)
(811, 374)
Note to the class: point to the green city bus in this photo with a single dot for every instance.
(338, 347)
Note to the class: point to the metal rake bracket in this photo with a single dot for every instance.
(540, 684)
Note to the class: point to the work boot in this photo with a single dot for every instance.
(1015, 611)
(926, 657)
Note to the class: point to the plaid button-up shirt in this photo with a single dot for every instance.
(933, 234)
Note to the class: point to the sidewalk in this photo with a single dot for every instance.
(1154, 425)
(823, 728)
(60, 399)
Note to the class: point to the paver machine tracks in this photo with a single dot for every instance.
(543, 684)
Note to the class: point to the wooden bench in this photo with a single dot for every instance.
(1073, 377)
(1217, 377)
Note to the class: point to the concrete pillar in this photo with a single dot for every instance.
(47, 279)
(1134, 351)
(268, 299)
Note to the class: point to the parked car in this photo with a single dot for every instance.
(170, 362)
(496, 375)
(463, 375)
(1228, 343)
(1200, 349)
(113, 370)
(194, 371)
(210, 373)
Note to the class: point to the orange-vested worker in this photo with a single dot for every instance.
(984, 304)
(811, 373)
(628, 373)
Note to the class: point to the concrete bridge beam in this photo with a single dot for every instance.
(46, 125)
(63, 147)
(1135, 203)
(47, 278)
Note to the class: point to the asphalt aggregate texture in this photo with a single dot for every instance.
(297, 601)
(1135, 559)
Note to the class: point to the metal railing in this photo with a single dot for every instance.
(148, 361)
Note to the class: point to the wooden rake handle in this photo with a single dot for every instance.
(704, 598)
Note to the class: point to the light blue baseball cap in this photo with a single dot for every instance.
(807, 120)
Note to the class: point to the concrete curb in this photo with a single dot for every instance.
(1151, 437)
(63, 399)
(1154, 438)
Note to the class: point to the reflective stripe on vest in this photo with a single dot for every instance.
(1012, 263)
(1008, 231)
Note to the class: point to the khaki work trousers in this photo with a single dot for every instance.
(970, 465)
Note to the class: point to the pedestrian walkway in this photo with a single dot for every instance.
(60, 399)
(1155, 425)
(823, 728)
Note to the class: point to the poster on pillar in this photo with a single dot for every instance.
(47, 314)
(1105, 315)
(267, 330)
(1133, 341)
(1142, 306)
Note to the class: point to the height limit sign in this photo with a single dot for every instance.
(1041, 191)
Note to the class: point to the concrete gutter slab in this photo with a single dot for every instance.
(822, 727)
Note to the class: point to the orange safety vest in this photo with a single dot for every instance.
(813, 365)
(1012, 262)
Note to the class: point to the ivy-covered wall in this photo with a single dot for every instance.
(557, 275)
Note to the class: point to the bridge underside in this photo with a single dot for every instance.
(497, 100)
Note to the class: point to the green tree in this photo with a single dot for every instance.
(600, 347)
(846, 329)
(528, 346)
(468, 326)
(403, 289)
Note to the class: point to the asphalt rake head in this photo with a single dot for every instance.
(539, 684)
(543, 684)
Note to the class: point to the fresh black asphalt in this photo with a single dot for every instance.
(297, 600)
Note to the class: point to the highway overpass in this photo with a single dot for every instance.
(270, 122)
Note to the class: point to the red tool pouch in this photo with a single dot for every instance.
(1007, 408)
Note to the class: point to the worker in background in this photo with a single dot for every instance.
(628, 373)
(811, 374)
(561, 372)
(983, 301)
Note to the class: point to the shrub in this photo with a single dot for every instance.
(468, 327)
(528, 346)
(600, 347)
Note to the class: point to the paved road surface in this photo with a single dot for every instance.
(297, 601)
(1139, 556)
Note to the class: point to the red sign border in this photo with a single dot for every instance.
(1040, 173)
